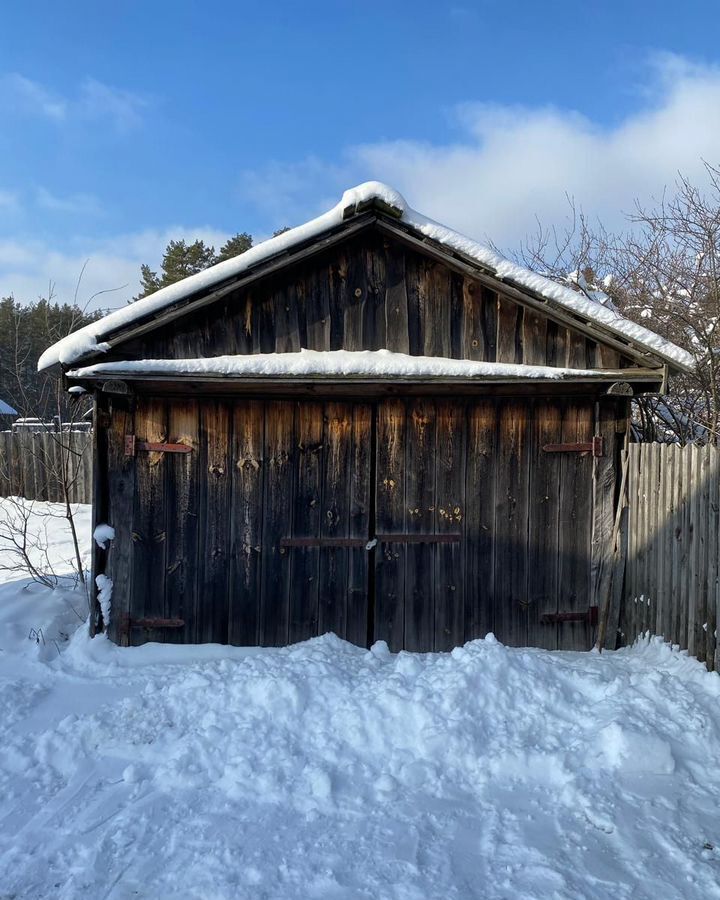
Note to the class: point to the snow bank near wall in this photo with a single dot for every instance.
(88, 340)
(328, 771)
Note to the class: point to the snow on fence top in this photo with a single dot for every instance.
(330, 363)
(89, 340)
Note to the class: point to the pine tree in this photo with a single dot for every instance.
(235, 246)
(182, 259)
(179, 260)
(26, 330)
(149, 281)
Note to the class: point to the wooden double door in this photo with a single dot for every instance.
(422, 522)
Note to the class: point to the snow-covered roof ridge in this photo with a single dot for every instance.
(330, 363)
(90, 339)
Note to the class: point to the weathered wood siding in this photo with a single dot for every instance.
(367, 294)
(264, 533)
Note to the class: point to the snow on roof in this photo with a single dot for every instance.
(89, 340)
(329, 363)
(6, 409)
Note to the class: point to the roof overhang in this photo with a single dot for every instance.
(617, 382)
(391, 226)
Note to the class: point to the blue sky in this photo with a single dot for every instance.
(125, 124)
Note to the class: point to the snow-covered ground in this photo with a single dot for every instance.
(327, 771)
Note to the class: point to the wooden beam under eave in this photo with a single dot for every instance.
(367, 387)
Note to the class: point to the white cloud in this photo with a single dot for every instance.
(92, 101)
(515, 163)
(25, 95)
(100, 101)
(9, 200)
(108, 271)
(71, 204)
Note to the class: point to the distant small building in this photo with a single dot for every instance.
(34, 425)
(369, 425)
(6, 409)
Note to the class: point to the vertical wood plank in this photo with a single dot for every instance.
(334, 523)
(643, 539)
(712, 552)
(417, 300)
(457, 325)
(389, 611)
(306, 515)
(576, 351)
(480, 519)
(653, 466)
(213, 508)
(544, 511)
(279, 458)
(451, 509)
(534, 338)
(339, 300)
(695, 611)
(489, 320)
(576, 525)
(602, 558)
(662, 542)
(420, 500)
(121, 472)
(669, 504)
(357, 301)
(396, 300)
(511, 525)
(702, 516)
(556, 348)
(473, 343)
(4, 470)
(678, 548)
(628, 601)
(149, 520)
(374, 327)
(247, 468)
(436, 310)
(181, 600)
(507, 328)
(606, 358)
(317, 306)
(287, 336)
(99, 508)
(687, 549)
(359, 559)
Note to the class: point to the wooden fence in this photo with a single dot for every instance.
(671, 575)
(35, 465)
(670, 538)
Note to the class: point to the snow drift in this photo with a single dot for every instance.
(324, 770)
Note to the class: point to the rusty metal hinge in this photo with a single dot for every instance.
(150, 622)
(595, 446)
(132, 445)
(590, 615)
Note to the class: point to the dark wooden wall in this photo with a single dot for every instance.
(367, 294)
(258, 535)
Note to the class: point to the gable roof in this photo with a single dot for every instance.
(6, 409)
(92, 339)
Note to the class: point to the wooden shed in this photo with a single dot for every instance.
(369, 425)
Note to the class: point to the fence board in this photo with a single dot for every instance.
(673, 568)
(30, 465)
